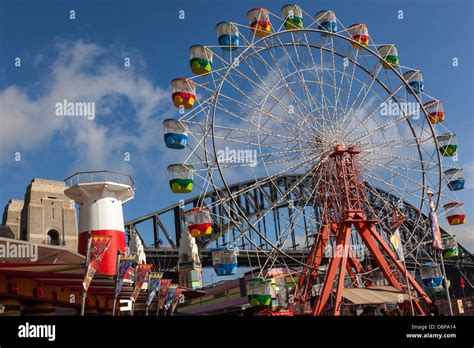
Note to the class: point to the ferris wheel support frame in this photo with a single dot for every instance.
(344, 203)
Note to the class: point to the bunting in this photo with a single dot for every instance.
(397, 243)
(176, 299)
(140, 278)
(397, 220)
(153, 286)
(164, 285)
(437, 244)
(170, 295)
(125, 263)
(98, 247)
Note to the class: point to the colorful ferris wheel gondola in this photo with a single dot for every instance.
(450, 247)
(259, 291)
(293, 16)
(200, 59)
(432, 276)
(360, 34)
(175, 134)
(198, 222)
(326, 21)
(455, 213)
(415, 80)
(389, 54)
(259, 21)
(435, 111)
(455, 178)
(181, 177)
(183, 93)
(228, 36)
(448, 146)
(224, 260)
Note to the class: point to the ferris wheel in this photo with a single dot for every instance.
(290, 94)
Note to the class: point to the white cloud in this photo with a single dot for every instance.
(85, 72)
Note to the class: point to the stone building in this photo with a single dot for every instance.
(11, 219)
(45, 216)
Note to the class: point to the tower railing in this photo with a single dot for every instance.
(99, 176)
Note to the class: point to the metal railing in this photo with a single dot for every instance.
(99, 176)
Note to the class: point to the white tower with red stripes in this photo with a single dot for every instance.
(100, 196)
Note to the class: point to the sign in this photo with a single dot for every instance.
(127, 307)
(460, 307)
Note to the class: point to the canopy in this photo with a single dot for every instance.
(373, 295)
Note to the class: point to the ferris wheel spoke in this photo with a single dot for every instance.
(390, 156)
(283, 197)
(262, 217)
(247, 108)
(298, 103)
(367, 88)
(415, 192)
(295, 98)
(270, 178)
(392, 172)
(311, 100)
(370, 115)
(260, 131)
(354, 60)
(296, 133)
(272, 115)
(382, 127)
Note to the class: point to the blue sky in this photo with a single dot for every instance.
(83, 58)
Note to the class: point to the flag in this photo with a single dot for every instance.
(437, 244)
(397, 243)
(99, 245)
(176, 299)
(164, 285)
(397, 220)
(140, 278)
(170, 295)
(125, 263)
(153, 286)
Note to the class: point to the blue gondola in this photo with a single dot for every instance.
(224, 261)
(432, 276)
(175, 134)
(228, 36)
(326, 21)
(455, 179)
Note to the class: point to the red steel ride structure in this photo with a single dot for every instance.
(342, 198)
